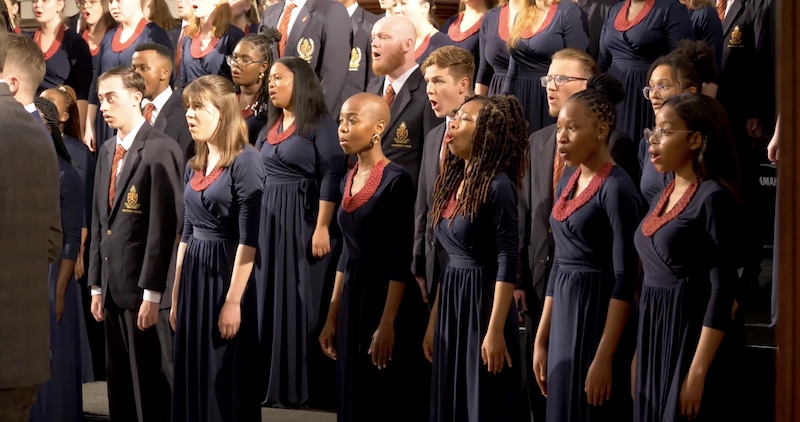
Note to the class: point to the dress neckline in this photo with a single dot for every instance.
(274, 138)
(565, 206)
(37, 38)
(455, 33)
(117, 46)
(657, 219)
(352, 202)
(621, 22)
(200, 181)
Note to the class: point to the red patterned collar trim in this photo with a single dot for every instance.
(422, 47)
(85, 37)
(657, 219)
(196, 49)
(274, 138)
(548, 19)
(117, 46)
(37, 38)
(621, 22)
(502, 25)
(351, 202)
(565, 206)
(454, 32)
(200, 181)
(450, 208)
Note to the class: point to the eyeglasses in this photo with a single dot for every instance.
(89, 3)
(654, 136)
(559, 80)
(658, 90)
(239, 62)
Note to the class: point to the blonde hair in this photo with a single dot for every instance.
(580, 56)
(528, 14)
(458, 62)
(106, 19)
(221, 21)
(231, 134)
(161, 16)
(252, 15)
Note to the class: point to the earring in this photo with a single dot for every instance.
(375, 138)
(260, 76)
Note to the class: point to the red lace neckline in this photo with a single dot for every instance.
(565, 206)
(196, 49)
(502, 25)
(118, 47)
(621, 22)
(274, 138)
(450, 208)
(37, 38)
(548, 19)
(352, 202)
(422, 47)
(200, 181)
(656, 219)
(85, 37)
(454, 32)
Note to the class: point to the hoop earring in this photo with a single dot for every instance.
(375, 138)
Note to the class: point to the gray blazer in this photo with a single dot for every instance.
(30, 229)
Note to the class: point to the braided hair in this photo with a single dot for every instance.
(602, 94)
(49, 114)
(262, 42)
(72, 126)
(499, 145)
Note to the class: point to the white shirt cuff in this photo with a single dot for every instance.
(96, 290)
(152, 296)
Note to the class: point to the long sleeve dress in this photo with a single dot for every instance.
(68, 62)
(429, 44)
(707, 27)
(689, 281)
(300, 171)
(493, 63)
(627, 49)
(531, 57)
(61, 397)
(215, 379)
(480, 253)
(468, 40)
(377, 228)
(595, 261)
(211, 61)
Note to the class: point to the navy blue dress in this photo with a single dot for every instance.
(255, 123)
(707, 27)
(374, 254)
(300, 171)
(468, 40)
(493, 63)
(213, 63)
(594, 261)
(85, 163)
(70, 64)
(531, 58)
(214, 378)
(652, 182)
(480, 254)
(627, 55)
(61, 397)
(439, 39)
(689, 280)
(108, 58)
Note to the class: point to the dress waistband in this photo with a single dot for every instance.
(212, 234)
(464, 261)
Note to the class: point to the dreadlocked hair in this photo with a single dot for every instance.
(262, 42)
(602, 94)
(49, 113)
(499, 145)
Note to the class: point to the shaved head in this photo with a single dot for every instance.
(368, 106)
(399, 26)
(393, 39)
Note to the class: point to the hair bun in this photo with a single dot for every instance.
(700, 55)
(608, 85)
(270, 32)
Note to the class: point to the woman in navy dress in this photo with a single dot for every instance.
(584, 345)
(209, 38)
(249, 63)
(707, 26)
(473, 337)
(377, 318)
(96, 22)
(635, 34)
(687, 244)
(420, 13)
(492, 44)
(682, 71)
(537, 35)
(61, 397)
(214, 311)
(245, 16)
(463, 28)
(67, 57)
(298, 244)
(116, 50)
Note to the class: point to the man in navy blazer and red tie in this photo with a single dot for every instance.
(136, 216)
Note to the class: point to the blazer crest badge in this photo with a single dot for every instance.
(401, 139)
(736, 37)
(132, 204)
(305, 48)
(355, 59)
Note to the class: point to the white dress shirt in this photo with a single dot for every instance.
(295, 12)
(159, 101)
(398, 83)
(728, 7)
(352, 9)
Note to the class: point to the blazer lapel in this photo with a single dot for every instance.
(358, 19)
(105, 174)
(169, 107)
(299, 26)
(132, 158)
(376, 86)
(731, 16)
(403, 97)
(273, 14)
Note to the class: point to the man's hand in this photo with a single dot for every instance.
(148, 315)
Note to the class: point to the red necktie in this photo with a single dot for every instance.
(112, 188)
(283, 27)
(558, 170)
(148, 112)
(388, 96)
(721, 6)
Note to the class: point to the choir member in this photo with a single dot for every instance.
(298, 244)
(462, 28)
(184, 10)
(448, 76)
(421, 14)
(682, 71)
(402, 86)
(359, 71)
(583, 348)
(706, 25)
(214, 304)
(116, 50)
(61, 397)
(387, 6)
(492, 43)
(157, 11)
(317, 31)
(636, 32)
(687, 244)
(245, 15)
(13, 12)
(209, 38)
(538, 33)
(96, 22)
(472, 337)
(377, 318)
(24, 71)
(162, 106)
(250, 63)
(75, 21)
(136, 217)
(67, 57)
